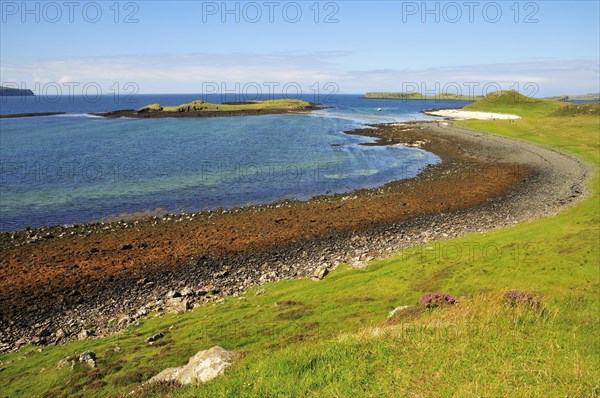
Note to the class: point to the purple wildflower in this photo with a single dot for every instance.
(516, 297)
(435, 299)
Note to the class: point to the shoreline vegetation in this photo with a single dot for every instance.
(201, 108)
(460, 226)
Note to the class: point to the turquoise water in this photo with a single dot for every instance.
(75, 168)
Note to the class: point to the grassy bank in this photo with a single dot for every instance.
(331, 338)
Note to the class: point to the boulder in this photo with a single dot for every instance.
(320, 273)
(155, 337)
(202, 367)
(177, 304)
(89, 358)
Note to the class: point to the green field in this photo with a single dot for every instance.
(419, 96)
(335, 340)
(244, 106)
(578, 97)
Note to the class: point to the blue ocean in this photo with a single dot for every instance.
(77, 168)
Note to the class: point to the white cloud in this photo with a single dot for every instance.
(186, 73)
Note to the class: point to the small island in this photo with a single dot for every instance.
(201, 108)
(13, 92)
(419, 96)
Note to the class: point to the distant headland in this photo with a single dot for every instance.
(201, 108)
(419, 96)
(13, 92)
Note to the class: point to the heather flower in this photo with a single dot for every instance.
(517, 297)
(435, 299)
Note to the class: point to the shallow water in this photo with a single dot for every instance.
(75, 168)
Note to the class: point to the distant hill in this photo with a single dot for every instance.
(9, 91)
(510, 101)
(419, 96)
(579, 97)
(578, 109)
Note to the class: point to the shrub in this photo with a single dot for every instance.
(517, 297)
(435, 299)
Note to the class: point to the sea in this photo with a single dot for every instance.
(78, 168)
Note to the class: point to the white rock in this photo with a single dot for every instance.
(204, 366)
(397, 310)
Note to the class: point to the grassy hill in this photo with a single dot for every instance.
(241, 106)
(335, 340)
(419, 96)
(513, 102)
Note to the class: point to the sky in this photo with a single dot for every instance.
(541, 48)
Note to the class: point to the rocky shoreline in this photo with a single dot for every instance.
(14, 115)
(64, 283)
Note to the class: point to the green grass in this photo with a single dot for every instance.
(578, 97)
(513, 102)
(419, 96)
(578, 109)
(335, 341)
(250, 105)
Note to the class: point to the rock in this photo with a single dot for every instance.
(202, 367)
(320, 273)
(173, 294)
(63, 363)
(187, 291)
(177, 304)
(259, 292)
(89, 358)
(126, 247)
(397, 310)
(60, 334)
(152, 339)
(126, 320)
(84, 334)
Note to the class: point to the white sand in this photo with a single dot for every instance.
(459, 114)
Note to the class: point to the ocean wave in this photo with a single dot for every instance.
(78, 115)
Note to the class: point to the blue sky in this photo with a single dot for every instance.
(552, 47)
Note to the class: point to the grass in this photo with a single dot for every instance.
(331, 338)
(578, 97)
(513, 102)
(578, 109)
(419, 96)
(249, 105)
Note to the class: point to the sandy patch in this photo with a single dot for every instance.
(459, 114)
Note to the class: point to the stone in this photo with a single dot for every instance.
(84, 334)
(320, 273)
(124, 321)
(149, 285)
(177, 304)
(187, 291)
(60, 334)
(397, 310)
(155, 337)
(202, 367)
(89, 358)
(63, 363)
